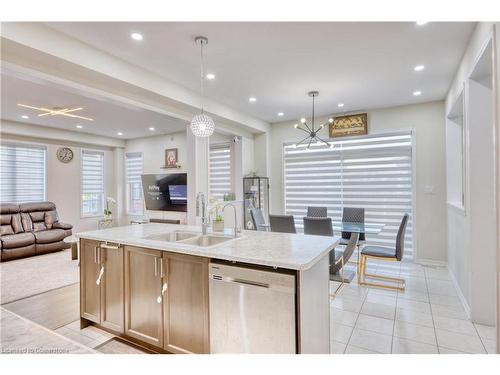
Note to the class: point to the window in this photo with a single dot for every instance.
(134, 185)
(374, 172)
(22, 173)
(92, 183)
(221, 181)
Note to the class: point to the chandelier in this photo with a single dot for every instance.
(202, 125)
(312, 131)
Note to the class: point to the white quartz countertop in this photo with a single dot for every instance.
(282, 250)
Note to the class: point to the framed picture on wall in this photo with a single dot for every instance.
(344, 126)
(171, 158)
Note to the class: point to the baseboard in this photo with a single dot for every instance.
(431, 262)
(460, 294)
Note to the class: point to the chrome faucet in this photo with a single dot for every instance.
(201, 201)
(236, 230)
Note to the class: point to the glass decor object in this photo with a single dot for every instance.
(202, 125)
(255, 195)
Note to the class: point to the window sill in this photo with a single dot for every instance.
(457, 207)
(92, 217)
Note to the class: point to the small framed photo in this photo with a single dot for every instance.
(171, 158)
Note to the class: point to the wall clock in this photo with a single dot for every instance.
(64, 154)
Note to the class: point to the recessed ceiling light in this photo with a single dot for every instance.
(119, 133)
(152, 129)
(421, 23)
(252, 99)
(25, 117)
(136, 36)
(281, 114)
(79, 126)
(419, 68)
(417, 93)
(340, 105)
(210, 76)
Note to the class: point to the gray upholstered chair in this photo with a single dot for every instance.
(258, 220)
(313, 211)
(387, 254)
(352, 215)
(320, 226)
(282, 223)
(338, 259)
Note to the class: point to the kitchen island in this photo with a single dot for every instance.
(173, 290)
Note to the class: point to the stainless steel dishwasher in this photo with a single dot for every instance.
(251, 311)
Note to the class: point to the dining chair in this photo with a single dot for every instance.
(319, 226)
(338, 260)
(386, 254)
(313, 211)
(259, 223)
(282, 223)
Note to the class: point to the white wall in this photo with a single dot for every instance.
(153, 156)
(428, 121)
(64, 180)
(471, 232)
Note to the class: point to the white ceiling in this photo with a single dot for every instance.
(364, 65)
(109, 116)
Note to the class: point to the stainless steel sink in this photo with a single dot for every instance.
(171, 236)
(206, 241)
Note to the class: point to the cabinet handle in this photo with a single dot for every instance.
(163, 290)
(101, 272)
(99, 254)
(161, 268)
(156, 266)
(95, 254)
(111, 247)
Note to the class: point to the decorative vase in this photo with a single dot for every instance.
(218, 226)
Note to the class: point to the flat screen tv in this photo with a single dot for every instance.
(165, 192)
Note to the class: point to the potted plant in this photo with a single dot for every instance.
(107, 212)
(218, 225)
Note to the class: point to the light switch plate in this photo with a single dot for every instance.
(429, 189)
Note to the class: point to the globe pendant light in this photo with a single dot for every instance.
(202, 125)
(312, 131)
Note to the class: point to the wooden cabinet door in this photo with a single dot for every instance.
(112, 289)
(186, 304)
(89, 290)
(143, 283)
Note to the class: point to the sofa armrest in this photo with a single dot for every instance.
(64, 226)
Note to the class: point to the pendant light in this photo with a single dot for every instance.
(312, 131)
(202, 125)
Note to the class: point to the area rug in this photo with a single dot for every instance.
(26, 277)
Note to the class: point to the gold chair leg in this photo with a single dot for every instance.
(401, 283)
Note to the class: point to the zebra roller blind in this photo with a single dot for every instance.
(374, 172)
(134, 184)
(220, 170)
(92, 183)
(22, 173)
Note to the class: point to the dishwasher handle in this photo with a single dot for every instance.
(228, 279)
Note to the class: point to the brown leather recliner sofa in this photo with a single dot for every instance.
(30, 229)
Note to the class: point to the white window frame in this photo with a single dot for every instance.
(127, 184)
(45, 170)
(230, 145)
(101, 214)
(395, 132)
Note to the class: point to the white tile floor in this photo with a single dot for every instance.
(89, 336)
(427, 318)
